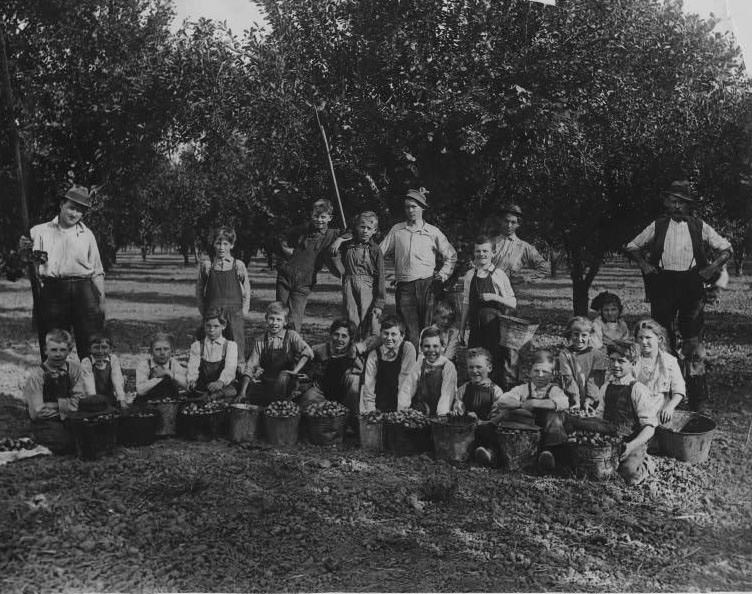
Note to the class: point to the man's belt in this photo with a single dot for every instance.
(65, 279)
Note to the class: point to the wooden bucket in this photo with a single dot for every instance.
(518, 444)
(595, 462)
(453, 438)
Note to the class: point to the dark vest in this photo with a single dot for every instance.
(695, 233)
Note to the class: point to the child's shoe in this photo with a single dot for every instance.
(546, 461)
(484, 456)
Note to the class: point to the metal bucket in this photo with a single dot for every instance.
(244, 422)
(453, 438)
(687, 437)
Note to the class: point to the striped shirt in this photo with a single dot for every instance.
(677, 248)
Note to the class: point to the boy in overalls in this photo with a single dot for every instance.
(213, 361)
(276, 360)
(632, 409)
(432, 382)
(102, 373)
(486, 295)
(387, 368)
(161, 376)
(223, 284)
(478, 396)
(336, 369)
(52, 391)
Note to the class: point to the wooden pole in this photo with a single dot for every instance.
(331, 169)
(36, 287)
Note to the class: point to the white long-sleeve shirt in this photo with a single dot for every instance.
(368, 396)
(212, 354)
(415, 251)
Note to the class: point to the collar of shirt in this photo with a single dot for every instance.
(488, 268)
(55, 370)
(221, 261)
(486, 383)
(424, 228)
(152, 364)
(336, 355)
(269, 337)
(79, 227)
(389, 354)
(622, 381)
(584, 351)
(513, 237)
(439, 362)
(220, 341)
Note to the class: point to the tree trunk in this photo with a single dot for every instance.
(582, 278)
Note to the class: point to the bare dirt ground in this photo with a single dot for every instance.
(182, 516)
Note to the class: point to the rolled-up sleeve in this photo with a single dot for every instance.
(408, 387)
(231, 363)
(448, 389)
(645, 406)
(94, 257)
(194, 360)
(714, 240)
(531, 258)
(559, 398)
(503, 286)
(448, 255)
(387, 244)
(368, 396)
(643, 239)
(299, 346)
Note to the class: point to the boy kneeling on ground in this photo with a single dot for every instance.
(630, 406)
(52, 391)
(334, 369)
(275, 361)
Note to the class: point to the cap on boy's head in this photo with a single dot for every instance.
(323, 206)
(420, 196)
(393, 322)
(59, 336)
(605, 298)
(510, 208)
(579, 323)
(680, 189)
(276, 308)
(626, 348)
(226, 233)
(80, 195)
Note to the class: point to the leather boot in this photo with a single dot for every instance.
(697, 392)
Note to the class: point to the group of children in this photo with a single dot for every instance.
(367, 363)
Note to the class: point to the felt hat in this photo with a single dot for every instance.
(92, 406)
(680, 189)
(79, 195)
(511, 208)
(419, 195)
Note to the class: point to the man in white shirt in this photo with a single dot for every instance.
(415, 245)
(676, 267)
(70, 270)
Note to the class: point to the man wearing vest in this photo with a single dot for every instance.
(676, 267)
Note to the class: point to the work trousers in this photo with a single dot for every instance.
(70, 304)
(415, 300)
(679, 293)
(357, 301)
(295, 297)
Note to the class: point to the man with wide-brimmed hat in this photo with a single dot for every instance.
(676, 266)
(415, 245)
(70, 270)
(512, 254)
